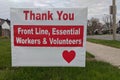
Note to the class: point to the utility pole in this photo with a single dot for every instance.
(114, 18)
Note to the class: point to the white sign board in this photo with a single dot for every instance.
(48, 36)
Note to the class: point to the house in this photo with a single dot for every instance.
(5, 28)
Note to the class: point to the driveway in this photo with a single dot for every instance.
(105, 53)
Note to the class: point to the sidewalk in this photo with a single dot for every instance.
(105, 53)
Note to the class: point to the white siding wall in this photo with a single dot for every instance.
(5, 26)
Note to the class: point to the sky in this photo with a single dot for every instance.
(96, 8)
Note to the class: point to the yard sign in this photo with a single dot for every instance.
(48, 36)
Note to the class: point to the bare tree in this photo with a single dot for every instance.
(107, 19)
(93, 24)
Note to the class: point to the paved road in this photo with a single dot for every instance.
(105, 53)
(104, 37)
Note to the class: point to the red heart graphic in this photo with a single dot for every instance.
(68, 56)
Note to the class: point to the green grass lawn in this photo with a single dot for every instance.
(112, 43)
(5, 51)
(94, 70)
